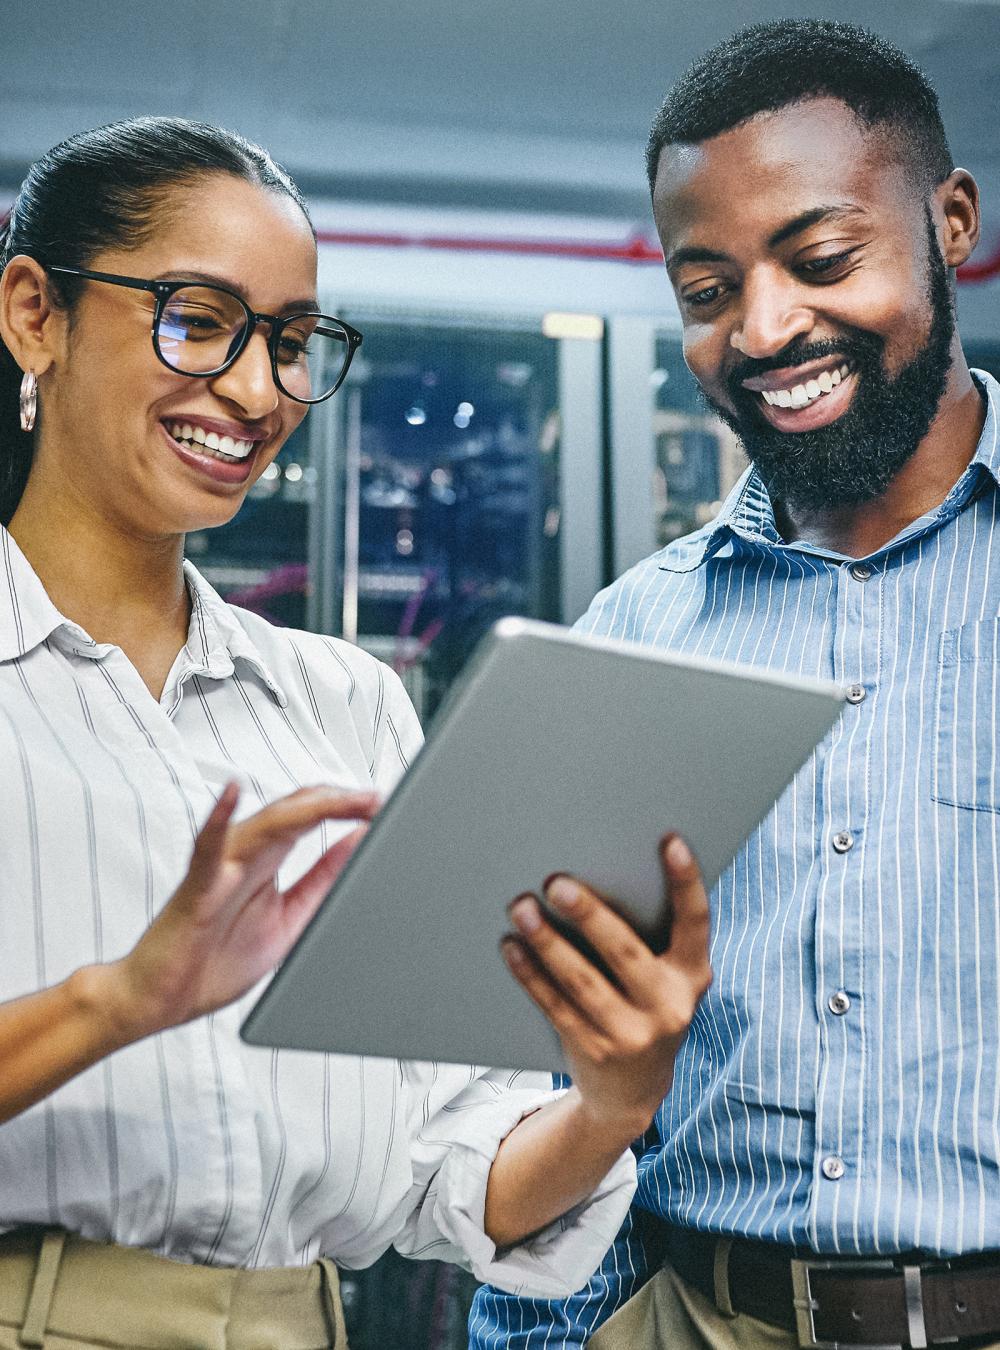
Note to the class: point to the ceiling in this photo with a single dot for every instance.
(530, 104)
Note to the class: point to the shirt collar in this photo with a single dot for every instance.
(216, 640)
(27, 615)
(748, 514)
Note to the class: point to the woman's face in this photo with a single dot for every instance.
(110, 404)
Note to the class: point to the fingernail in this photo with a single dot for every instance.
(526, 915)
(563, 892)
(678, 853)
(511, 952)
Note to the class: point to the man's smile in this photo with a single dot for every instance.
(802, 398)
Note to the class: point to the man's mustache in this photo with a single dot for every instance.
(860, 347)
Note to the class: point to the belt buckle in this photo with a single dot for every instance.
(805, 1305)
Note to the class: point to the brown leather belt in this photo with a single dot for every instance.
(888, 1303)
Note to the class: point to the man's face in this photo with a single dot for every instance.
(816, 305)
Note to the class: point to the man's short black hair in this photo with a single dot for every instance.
(769, 65)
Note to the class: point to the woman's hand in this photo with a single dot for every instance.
(228, 925)
(620, 1035)
(224, 928)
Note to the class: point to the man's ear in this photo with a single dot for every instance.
(31, 326)
(957, 199)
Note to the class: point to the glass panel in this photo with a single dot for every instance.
(457, 489)
(260, 559)
(698, 459)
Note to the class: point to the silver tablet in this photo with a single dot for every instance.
(554, 752)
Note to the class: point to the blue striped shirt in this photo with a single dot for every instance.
(840, 1086)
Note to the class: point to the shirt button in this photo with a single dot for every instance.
(856, 693)
(839, 1002)
(861, 571)
(843, 841)
(833, 1167)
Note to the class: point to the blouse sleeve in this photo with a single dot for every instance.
(458, 1118)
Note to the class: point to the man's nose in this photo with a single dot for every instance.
(249, 381)
(771, 316)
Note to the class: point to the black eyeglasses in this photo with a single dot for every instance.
(201, 330)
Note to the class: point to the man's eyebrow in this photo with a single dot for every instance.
(679, 256)
(803, 221)
(796, 225)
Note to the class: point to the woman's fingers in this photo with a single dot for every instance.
(283, 821)
(210, 842)
(302, 900)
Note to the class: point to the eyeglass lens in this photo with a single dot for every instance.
(200, 328)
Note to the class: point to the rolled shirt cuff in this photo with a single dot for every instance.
(558, 1259)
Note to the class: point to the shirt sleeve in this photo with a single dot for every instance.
(499, 1320)
(458, 1119)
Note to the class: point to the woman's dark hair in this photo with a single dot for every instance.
(767, 66)
(100, 190)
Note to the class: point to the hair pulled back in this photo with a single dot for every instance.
(97, 190)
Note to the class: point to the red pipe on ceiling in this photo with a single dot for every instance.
(638, 249)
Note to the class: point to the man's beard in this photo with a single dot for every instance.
(856, 457)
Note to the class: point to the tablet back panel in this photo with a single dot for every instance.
(554, 753)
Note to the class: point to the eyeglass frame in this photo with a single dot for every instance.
(163, 290)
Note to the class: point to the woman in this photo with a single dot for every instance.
(160, 1182)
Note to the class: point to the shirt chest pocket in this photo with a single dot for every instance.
(967, 763)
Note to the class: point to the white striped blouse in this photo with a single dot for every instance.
(190, 1143)
(840, 1087)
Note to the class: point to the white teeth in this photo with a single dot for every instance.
(800, 395)
(223, 445)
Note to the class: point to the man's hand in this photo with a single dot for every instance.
(620, 1035)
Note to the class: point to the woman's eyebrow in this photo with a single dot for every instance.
(309, 303)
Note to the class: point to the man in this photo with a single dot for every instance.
(838, 1094)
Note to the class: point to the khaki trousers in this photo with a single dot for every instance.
(668, 1314)
(61, 1292)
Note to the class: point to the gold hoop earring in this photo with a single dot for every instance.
(29, 400)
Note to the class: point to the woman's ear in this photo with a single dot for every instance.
(31, 326)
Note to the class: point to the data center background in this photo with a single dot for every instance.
(519, 426)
